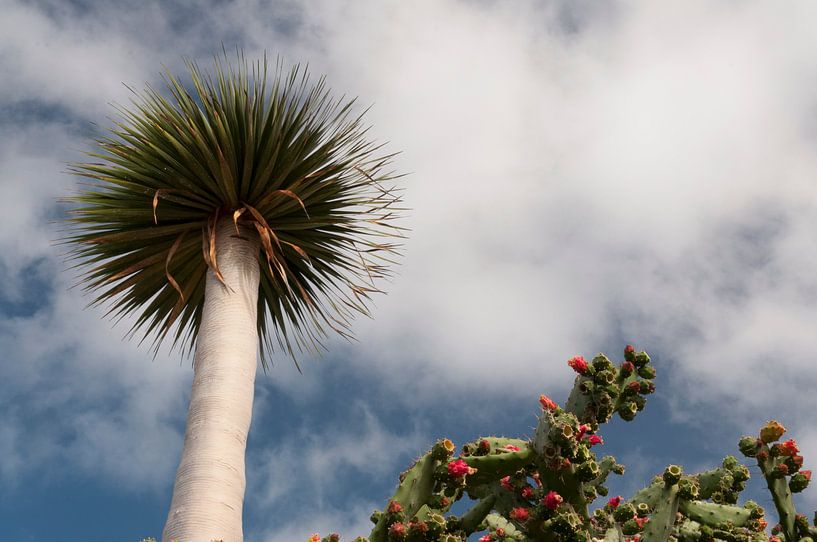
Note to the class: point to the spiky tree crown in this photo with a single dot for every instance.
(285, 160)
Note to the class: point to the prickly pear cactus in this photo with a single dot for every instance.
(552, 488)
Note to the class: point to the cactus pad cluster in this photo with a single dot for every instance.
(551, 488)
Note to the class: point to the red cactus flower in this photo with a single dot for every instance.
(807, 474)
(397, 530)
(394, 507)
(547, 403)
(486, 538)
(315, 538)
(578, 364)
(418, 526)
(582, 430)
(460, 469)
(511, 448)
(500, 532)
(789, 448)
(520, 514)
(615, 501)
(552, 500)
(641, 521)
(527, 492)
(505, 482)
(592, 440)
(761, 525)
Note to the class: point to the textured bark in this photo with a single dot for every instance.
(208, 494)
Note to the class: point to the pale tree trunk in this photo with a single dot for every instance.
(208, 494)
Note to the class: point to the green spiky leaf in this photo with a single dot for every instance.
(267, 148)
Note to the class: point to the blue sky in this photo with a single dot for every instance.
(582, 175)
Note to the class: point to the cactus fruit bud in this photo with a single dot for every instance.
(688, 489)
(628, 410)
(618, 468)
(602, 363)
(578, 364)
(624, 512)
(626, 369)
(672, 474)
(397, 531)
(640, 359)
(789, 448)
(552, 500)
(418, 528)
(646, 371)
(520, 514)
(771, 432)
(547, 403)
(801, 523)
(587, 471)
(630, 527)
(629, 353)
(800, 481)
(748, 446)
(394, 507)
(614, 502)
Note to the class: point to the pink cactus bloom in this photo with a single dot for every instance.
(615, 501)
(527, 492)
(500, 532)
(511, 448)
(807, 474)
(397, 530)
(547, 403)
(459, 469)
(789, 448)
(582, 430)
(394, 507)
(578, 364)
(592, 440)
(552, 500)
(505, 482)
(641, 521)
(486, 538)
(520, 514)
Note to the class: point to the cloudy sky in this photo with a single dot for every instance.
(582, 174)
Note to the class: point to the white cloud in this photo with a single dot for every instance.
(579, 174)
